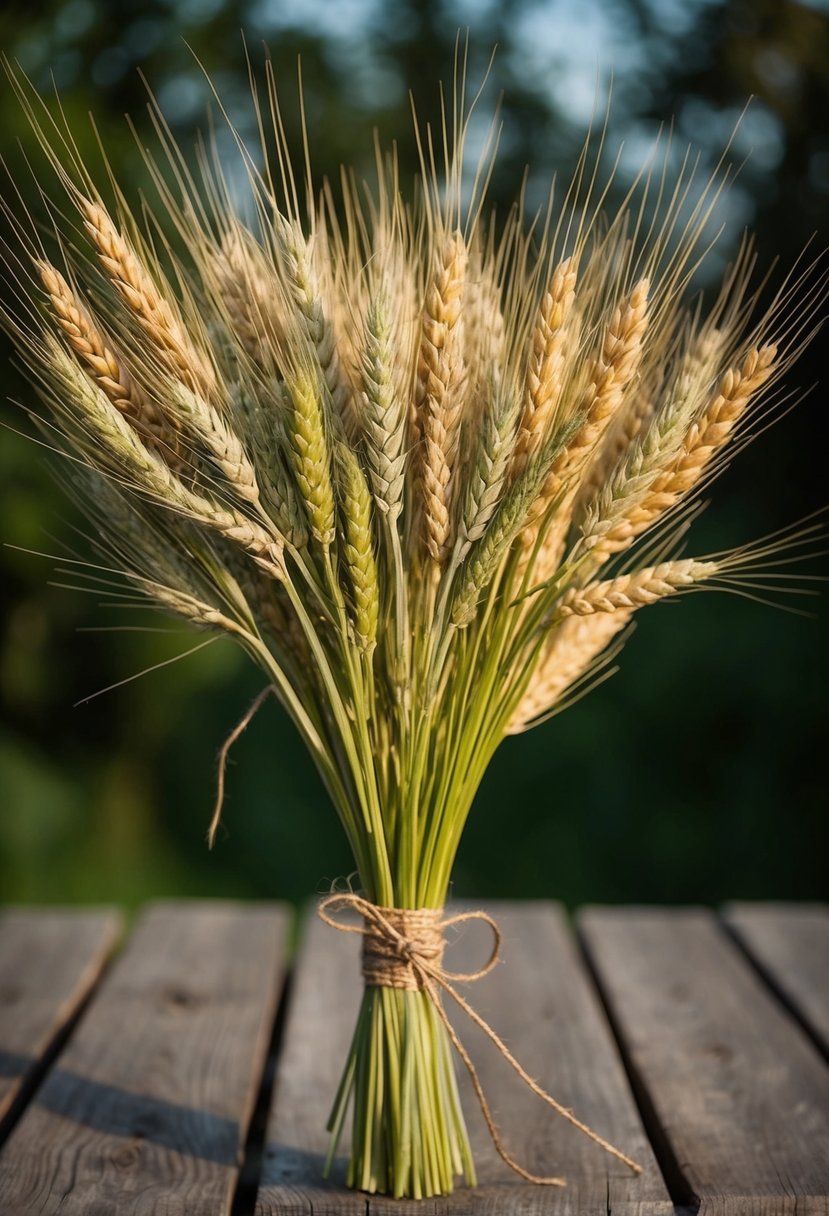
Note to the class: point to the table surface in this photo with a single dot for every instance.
(185, 1067)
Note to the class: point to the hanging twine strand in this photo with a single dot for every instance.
(403, 948)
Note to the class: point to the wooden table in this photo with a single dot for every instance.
(181, 1069)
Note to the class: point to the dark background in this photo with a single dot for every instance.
(697, 772)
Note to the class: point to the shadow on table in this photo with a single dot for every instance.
(285, 1165)
(140, 1117)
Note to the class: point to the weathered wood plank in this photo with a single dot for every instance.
(737, 1093)
(50, 960)
(790, 945)
(148, 1106)
(542, 1002)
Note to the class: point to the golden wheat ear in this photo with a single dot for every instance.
(438, 401)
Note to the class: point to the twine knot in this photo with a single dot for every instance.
(393, 960)
(403, 948)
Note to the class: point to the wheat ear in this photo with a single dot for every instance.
(150, 473)
(485, 331)
(150, 308)
(612, 371)
(636, 589)
(192, 609)
(306, 295)
(248, 294)
(545, 369)
(173, 574)
(191, 399)
(190, 402)
(715, 427)
(358, 548)
(226, 450)
(575, 644)
(610, 374)
(643, 407)
(261, 412)
(106, 369)
(622, 434)
(613, 517)
(510, 515)
(487, 476)
(438, 401)
(308, 447)
(384, 413)
(702, 441)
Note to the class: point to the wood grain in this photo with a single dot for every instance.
(50, 960)
(543, 1004)
(738, 1095)
(148, 1106)
(790, 945)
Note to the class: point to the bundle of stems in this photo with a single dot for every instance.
(422, 469)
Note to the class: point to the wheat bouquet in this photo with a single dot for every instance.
(422, 470)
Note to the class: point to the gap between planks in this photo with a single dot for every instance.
(147, 1108)
(250, 1173)
(789, 946)
(51, 960)
(733, 1090)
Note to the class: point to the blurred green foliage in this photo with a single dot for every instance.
(698, 772)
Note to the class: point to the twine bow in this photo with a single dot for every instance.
(403, 948)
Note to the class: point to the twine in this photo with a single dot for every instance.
(238, 730)
(403, 948)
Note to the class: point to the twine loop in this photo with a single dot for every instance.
(403, 948)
